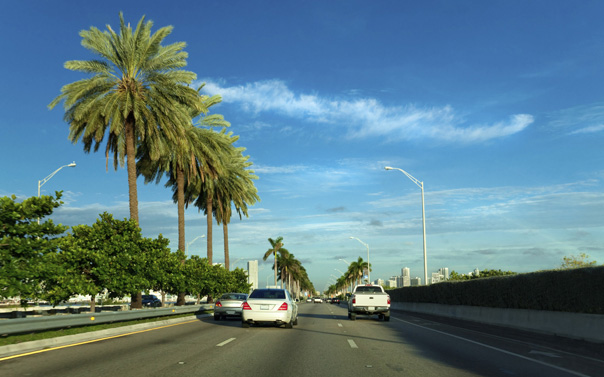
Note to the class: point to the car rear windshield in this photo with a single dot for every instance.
(369, 289)
(233, 296)
(261, 293)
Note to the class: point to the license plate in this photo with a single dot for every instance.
(371, 308)
(231, 312)
(263, 307)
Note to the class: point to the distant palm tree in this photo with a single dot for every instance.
(137, 95)
(276, 247)
(355, 270)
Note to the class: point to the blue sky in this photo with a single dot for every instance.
(498, 107)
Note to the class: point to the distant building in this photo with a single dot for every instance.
(379, 282)
(252, 274)
(392, 283)
(406, 277)
(416, 281)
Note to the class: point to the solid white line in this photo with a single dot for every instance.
(352, 343)
(496, 349)
(225, 342)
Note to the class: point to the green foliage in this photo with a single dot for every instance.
(577, 261)
(109, 255)
(25, 244)
(453, 276)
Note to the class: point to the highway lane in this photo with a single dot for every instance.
(325, 343)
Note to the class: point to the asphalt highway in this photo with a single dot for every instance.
(325, 343)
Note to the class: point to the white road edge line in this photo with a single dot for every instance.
(225, 342)
(497, 349)
(352, 343)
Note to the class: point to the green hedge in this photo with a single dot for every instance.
(579, 290)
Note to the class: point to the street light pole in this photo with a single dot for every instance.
(421, 186)
(368, 266)
(194, 239)
(43, 181)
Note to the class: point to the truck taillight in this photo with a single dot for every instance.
(246, 306)
(388, 300)
(354, 300)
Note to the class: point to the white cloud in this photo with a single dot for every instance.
(366, 117)
(589, 130)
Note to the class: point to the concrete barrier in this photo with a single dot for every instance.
(582, 326)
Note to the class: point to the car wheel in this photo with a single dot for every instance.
(216, 317)
(296, 321)
(245, 325)
(289, 324)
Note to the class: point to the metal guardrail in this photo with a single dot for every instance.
(33, 324)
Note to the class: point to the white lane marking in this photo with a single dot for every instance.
(352, 343)
(339, 325)
(496, 349)
(225, 342)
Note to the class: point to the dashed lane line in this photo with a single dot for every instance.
(225, 342)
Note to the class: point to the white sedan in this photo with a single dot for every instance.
(272, 306)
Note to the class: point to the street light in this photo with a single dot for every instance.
(421, 186)
(194, 239)
(345, 261)
(43, 181)
(368, 267)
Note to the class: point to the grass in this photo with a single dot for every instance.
(21, 338)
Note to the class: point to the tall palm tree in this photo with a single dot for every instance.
(201, 191)
(137, 94)
(234, 188)
(276, 247)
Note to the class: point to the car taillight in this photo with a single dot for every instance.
(246, 306)
(283, 306)
(218, 304)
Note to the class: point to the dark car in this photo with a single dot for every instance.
(151, 301)
(335, 300)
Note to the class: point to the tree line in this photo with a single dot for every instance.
(40, 262)
(138, 100)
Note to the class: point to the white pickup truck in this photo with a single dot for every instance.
(369, 299)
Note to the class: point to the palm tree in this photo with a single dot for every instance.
(276, 247)
(235, 187)
(288, 265)
(137, 94)
(355, 270)
(201, 191)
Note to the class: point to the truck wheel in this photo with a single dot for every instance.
(353, 316)
(386, 318)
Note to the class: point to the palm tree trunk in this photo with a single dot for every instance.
(180, 186)
(209, 224)
(225, 233)
(136, 299)
(180, 195)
